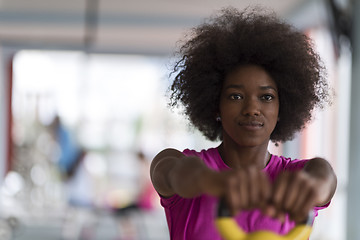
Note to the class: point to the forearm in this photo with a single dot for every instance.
(189, 177)
(324, 179)
(174, 173)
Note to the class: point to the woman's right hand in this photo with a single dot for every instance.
(245, 189)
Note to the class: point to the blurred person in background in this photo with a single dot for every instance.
(70, 164)
(146, 200)
(146, 196)
(71, 153)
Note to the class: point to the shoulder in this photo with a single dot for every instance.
(286, 162)
(211, 157)
(278, 164)
(203, 152)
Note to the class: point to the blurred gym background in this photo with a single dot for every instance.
(83, 110)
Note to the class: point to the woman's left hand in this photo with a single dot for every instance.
(293, 193)
(296, 193)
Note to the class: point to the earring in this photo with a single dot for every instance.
(218, 119)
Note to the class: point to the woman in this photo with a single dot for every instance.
(245, 78)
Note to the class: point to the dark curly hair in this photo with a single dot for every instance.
(254, 36)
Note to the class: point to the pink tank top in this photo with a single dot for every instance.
(193, 219)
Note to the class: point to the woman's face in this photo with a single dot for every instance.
(249, 106)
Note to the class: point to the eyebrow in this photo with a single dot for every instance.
(239, 86)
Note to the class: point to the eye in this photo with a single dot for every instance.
(267, 97)
(236, 97)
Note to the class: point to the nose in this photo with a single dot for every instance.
(251, 107)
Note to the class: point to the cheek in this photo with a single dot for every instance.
(276, 110)
(273, 115)
(227, 110)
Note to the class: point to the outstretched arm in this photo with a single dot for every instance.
(174, 173)
(297, 193)
(325, 179)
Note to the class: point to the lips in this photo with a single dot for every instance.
(251, 125)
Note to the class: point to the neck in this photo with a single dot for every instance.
(240, 157)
